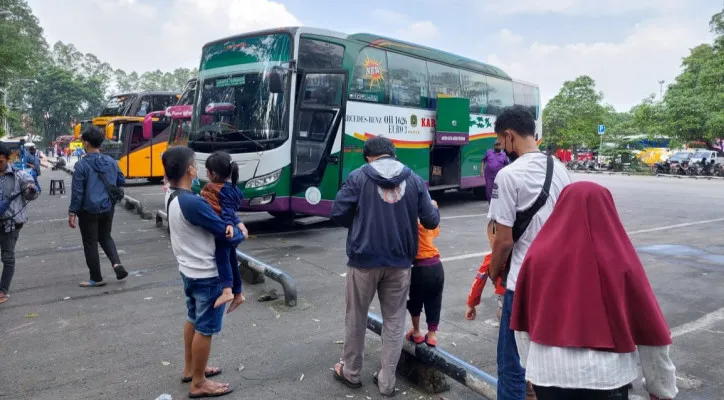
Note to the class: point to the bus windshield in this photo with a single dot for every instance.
(117, 105)
(237, 113)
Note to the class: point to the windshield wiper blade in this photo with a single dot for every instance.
(241, 132)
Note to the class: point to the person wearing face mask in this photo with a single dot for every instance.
(493, 161)
(523, 197)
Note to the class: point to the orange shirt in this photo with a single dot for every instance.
(425, 248)
(479, 283)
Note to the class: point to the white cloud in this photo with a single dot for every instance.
(137, 35)
(624, 71)
(577, 7)
(422, 32)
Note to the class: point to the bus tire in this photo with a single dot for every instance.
(480, 193)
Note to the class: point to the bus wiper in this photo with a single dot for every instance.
(240, 132)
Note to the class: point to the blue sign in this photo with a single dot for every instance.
(601, 129)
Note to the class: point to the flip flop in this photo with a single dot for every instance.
(414, 339)
(92, 283)
(121, 272)
(376, 381)
(4, 298)
(215, 372)
(205, 395)
(340, 377)
(430, 342)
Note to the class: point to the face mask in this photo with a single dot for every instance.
(497, 150)
(195, 182)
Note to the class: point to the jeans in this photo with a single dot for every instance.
(511, 375)
(95, 229)
(7, 254)
(201, 294)
(34, 174)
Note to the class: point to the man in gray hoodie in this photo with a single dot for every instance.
(380, 203)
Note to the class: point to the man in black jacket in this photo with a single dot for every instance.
(380, 203)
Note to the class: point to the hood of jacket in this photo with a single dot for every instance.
(387, 172)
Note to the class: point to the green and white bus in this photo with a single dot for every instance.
(294, 107)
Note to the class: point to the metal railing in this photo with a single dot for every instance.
(258, 269)
(471, 377)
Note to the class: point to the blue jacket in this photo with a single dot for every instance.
(380, 203)
(89, 194)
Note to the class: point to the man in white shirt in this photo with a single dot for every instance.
(519, 207)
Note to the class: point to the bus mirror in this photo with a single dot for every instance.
(276, 84)
(109, 131)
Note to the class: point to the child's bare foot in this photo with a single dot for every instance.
(239, 299)
(226, 297)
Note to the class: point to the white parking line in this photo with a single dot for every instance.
(464, 216)
(657, 229)
(702, 323)
(667, 227)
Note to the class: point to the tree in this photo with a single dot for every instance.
(572, 116)
(648, 117)
(22, 47)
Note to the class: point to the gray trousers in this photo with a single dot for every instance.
(392, 286)
(7, 255)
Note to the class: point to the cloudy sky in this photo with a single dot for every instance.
(627, 46)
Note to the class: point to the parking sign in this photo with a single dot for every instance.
(601, 129)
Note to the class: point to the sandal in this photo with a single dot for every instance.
(430, 341)
(340, 377)
(92, 283)
(414, 339)
(204, 395)
(210, 372)
(121, 272)
(376, 381)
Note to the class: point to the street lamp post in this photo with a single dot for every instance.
(661, 89)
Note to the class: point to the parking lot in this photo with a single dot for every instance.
(124, 340)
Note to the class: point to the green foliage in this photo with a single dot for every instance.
(22, 45)
(572, 116)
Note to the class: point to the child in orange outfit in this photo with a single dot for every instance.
(481, 278)
(426, 284)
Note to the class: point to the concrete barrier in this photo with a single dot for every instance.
(471, 377)
(133, 204)
(708, 178)
(254, 271)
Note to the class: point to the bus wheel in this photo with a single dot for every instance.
(480, 193)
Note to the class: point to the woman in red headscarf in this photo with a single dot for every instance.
(584, 312)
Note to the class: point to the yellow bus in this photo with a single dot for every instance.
(138, 152)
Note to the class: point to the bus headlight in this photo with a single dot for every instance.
(264, 180)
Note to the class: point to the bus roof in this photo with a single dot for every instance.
(385, 43)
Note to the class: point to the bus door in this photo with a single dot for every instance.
(138, 151)
(318, 126)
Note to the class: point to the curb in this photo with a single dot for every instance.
(130, 202)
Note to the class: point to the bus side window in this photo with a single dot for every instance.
(500, 95)
(137, 139)
(475, 88)
(444, 81)
(408, 81)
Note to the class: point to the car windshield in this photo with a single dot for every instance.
(683, 156)
(702, 154)
(188, 96)
(117, 105)
(237, 113)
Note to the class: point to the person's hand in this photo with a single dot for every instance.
(71, 221)
(434, 203)
(229, 231)
(470, 313)
(243, 230)
(239, 299)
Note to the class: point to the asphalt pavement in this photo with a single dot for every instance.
(124, 340)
